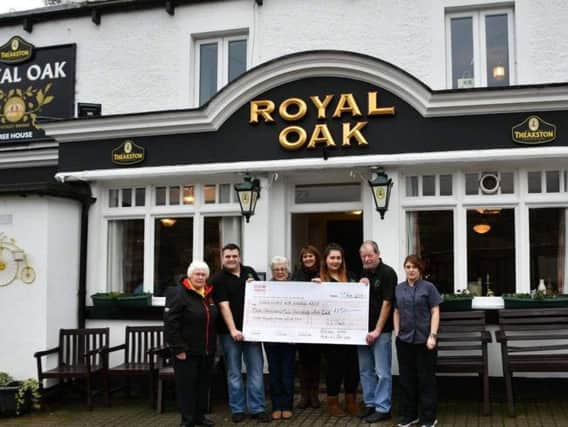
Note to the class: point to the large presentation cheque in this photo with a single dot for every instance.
(306, 312)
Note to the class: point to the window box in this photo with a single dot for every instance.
(456, 302)
(527, 301)
(114, 301)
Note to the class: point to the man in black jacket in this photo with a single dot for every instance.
(229, 294)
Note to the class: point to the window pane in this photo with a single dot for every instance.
(173, 251)
(126, 197)
(429, 185)
(160, 196)
(174, 195)
(328, 193)
(497, 45)
(553, 181)
(140, 196)
(548, 248)
(237, 58)
(462, 52)
(507, 183)
(113, 198)
(535, 184)
(431, 237)
(209, 193)
(125, 256)
(225, 193)
(220, 231)
(491, 249)
(445, 185)
(188, 195)
(411, 186)
(471, 183)
(207, 71)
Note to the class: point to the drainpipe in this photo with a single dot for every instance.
(86, 203)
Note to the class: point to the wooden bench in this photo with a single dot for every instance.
(80, 355)
(462, 347)
(138, 359)
(532, 340)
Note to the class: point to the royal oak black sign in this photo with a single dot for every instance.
(35, 84)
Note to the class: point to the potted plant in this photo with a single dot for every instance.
(18, 397)
(536, 299)
(115, 301)
(459, 301)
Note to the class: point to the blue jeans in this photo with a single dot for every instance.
(375, 372)
(254, 362)
(281, 361)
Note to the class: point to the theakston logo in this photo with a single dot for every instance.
(128, 153)
(15, 51)
(533, 131)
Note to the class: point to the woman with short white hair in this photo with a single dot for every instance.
(189, 329)
(281, 357)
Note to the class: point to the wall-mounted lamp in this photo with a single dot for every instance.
(481, 228)
(248, 193)
(168, 222)
(499, 72)
(381, 186)
(85, 109)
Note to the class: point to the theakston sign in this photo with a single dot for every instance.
(35, 84)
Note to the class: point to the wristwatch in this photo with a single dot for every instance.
(433, 335)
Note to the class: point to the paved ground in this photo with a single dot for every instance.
(539, 403)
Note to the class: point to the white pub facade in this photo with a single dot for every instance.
(125, 127)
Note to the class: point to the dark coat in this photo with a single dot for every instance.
(189, 322)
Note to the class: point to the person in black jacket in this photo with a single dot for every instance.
(189, 329)
(309, 354)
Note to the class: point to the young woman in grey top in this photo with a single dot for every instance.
(416, 322)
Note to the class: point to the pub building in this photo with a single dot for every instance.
(126, 131)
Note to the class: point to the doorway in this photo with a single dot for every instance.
(319, 229)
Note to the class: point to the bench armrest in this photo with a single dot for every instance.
(116, 348)
(501, 337)
(486, 337)
(46, 352)
(162, 352)
(103, 351)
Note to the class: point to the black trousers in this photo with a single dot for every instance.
(342, 367)
(417, 374)
(192, 387)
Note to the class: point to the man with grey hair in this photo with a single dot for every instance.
(375, 358)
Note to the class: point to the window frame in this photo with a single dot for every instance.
(479, 43)
(222, 42)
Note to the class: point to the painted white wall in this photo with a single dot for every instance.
(47, 229)
(143, 60)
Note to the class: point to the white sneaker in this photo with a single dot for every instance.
(432, 424)
(407, 422)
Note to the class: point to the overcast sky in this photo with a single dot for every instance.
(10, 5)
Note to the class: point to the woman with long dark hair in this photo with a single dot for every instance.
(342, 360)
(309, 354)
(416, 323)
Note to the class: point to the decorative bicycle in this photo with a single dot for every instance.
(14, 263)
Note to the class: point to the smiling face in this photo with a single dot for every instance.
(369, 257)
(231, 259)
(412, 272)
(308, 260)
(198, 278)
(334, 260)
(279, 272)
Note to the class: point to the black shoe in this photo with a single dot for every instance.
(407, 421)
(261, 417)
(366, 411)
(377, 417)
(238, 417)
(207, 422)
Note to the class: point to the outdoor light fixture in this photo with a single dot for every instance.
(481, 228)
(168, 222)
(381, 186)
(248, 193)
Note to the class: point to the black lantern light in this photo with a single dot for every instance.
(248, 193)
(381, 186)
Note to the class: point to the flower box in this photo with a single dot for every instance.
(112, 302)
(550, 302)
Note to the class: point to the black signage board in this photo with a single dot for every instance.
(405, 131)
(39, 88)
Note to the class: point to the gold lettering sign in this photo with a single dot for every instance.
(128, 153)
(533, 131)
(329, 106)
